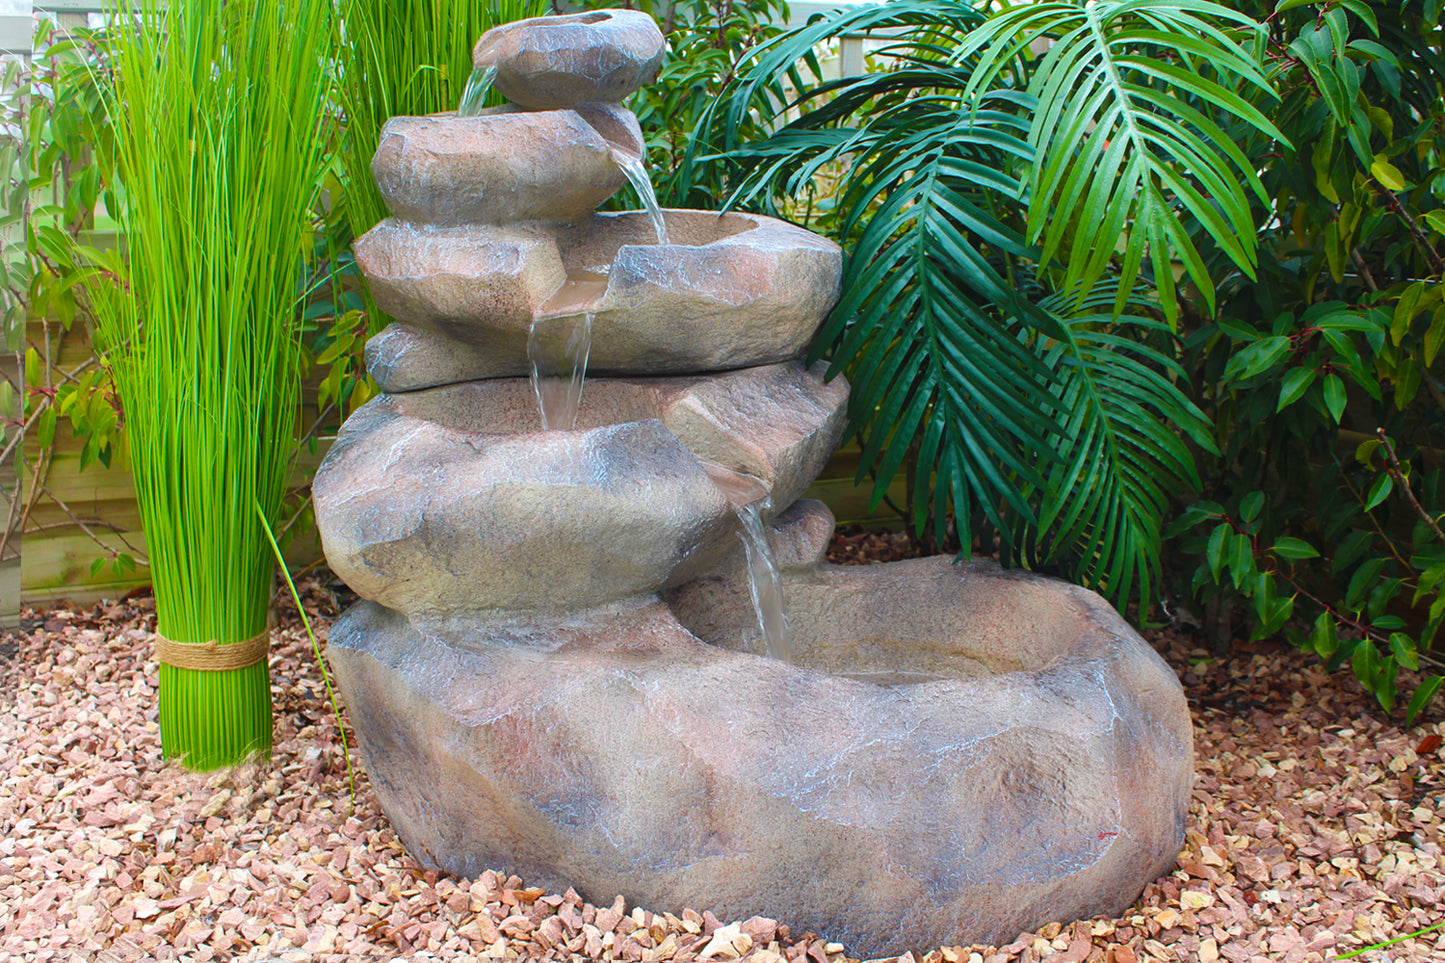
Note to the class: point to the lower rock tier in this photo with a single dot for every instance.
(959, 755)
(454, 500)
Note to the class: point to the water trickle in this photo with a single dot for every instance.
(557, 349)
(636, 170)
(474, 95)
(558, 344)
(884, 677)
(751, 497)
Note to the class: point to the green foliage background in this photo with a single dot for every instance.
(1096, 247)
(1324, 504)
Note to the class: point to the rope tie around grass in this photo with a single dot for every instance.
(212, 656)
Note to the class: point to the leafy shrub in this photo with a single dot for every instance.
(1326, 498)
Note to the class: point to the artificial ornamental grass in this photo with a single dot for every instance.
(217, 111)
(405, 58)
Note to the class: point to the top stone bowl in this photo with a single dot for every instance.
(548, 63)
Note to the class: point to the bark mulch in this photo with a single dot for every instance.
(1316, 829)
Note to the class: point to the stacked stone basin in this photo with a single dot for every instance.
(732, 291)
(557, 670)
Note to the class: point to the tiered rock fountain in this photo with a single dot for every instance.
(560, 672)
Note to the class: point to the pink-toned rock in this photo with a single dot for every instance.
(453, 500)
(503, 165)
(560, 61)
(732, 291)
(447, 280)
(1038, 769)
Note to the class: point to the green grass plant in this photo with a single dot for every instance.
(1399, 939)
(315, 649)
(405, 58)
(217, 110)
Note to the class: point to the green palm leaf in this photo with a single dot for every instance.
(1047, 419)
(1121, 449)
(1124, 145)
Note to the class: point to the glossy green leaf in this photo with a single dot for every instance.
(1363, 10)
(1405, 650)
(1257, 358)
(1385, 673)
(1422, 698)
(1292, 387)
(1294, 549)
(1241, 563)
(1366, 663)
(1434, 335)
(1379, 491)
(1214, 554)
(1324, 639)
(1362, 581)
(1387, 174)
(1335, 396)
(1405, 310)
(45, 427)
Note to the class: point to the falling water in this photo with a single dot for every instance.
(750, 498)
(636, 170)
(557, 349)
(558, 344)
(475, 93)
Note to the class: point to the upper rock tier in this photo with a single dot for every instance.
(547, 63)
(504, 165)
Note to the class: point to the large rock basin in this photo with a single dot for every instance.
(453, 499)
(960, 755)
(731, 291)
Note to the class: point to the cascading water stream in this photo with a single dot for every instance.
(558, 344)
(636, 170)
(560, 338)
(557, 349)
(750, 497)
(474, 95)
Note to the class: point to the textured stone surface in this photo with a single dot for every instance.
(799, 535)
(453, 500)
(561, 61)
(730, 292)
(452, 279)
(1042, 773)
(504, 165)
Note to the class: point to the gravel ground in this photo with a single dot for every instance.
(1316, 829)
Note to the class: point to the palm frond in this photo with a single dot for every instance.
(1047, 420)
(1124, 138)
(941, 380)
(1120, 449)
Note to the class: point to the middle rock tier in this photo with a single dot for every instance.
(494, 218)
(731, 291)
